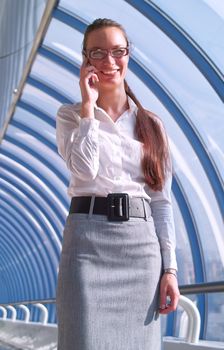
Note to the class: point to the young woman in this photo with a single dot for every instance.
(118, 268)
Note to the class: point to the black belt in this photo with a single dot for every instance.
(116, 206)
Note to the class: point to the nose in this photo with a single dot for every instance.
(109, 58)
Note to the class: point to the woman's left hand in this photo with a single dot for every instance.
(168, 289)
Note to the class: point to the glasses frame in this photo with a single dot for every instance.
(87, 53)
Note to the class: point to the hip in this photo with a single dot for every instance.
(97, 238)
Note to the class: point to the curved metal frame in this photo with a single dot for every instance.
(185, 43)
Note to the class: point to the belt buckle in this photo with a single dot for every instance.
(118, 207)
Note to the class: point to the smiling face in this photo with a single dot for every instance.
(111, 70)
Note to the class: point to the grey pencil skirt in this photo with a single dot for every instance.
(108, 285)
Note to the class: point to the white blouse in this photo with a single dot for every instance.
(104, 157)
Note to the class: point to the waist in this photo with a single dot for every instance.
(116, 206)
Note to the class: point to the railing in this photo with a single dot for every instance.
(38, 303)
(26, 334)
(210, 287)
(194, 319)
(193, 329)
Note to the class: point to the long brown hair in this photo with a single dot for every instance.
(149, 128)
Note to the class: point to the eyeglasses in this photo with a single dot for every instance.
(100, 54)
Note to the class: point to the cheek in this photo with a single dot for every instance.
(125, 63)
(96, 64)
(124, 68)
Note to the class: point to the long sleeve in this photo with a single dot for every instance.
(77, 140)
(162, 213)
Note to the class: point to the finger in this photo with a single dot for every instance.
(87, 65)
(174, 296)
(89, 75)
(95, 78)
(84, 73)
(91, 68)
(92, 77)
(163, 299)
(89, 80)
(166, 311)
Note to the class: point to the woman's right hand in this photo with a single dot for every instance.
(89, 90)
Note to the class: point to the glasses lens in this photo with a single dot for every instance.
(97, 54)
(121, 51)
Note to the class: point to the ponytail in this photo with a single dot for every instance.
(150, 132)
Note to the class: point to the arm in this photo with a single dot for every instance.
(162, 213)
(77, 134)
(77, 140)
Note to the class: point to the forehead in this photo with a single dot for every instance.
(106, 38)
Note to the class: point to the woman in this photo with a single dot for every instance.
(117, 268)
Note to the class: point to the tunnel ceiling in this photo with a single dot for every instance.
(176, 70)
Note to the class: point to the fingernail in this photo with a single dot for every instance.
(162, 307)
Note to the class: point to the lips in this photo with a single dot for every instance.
(109, 72)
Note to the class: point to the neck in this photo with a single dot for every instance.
(114, 102)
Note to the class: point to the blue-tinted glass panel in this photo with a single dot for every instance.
(40, 100)
(56, 77)
(200, 197)
(208, 37)
(64, 39)
(186, 272)
(215, 323)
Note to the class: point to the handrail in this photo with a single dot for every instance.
(13, 311)
(201, 288)
(44, 313)
(198, 288)
(4, 312)
(30, 302)
(38, 304)
(26, 312)
(194, 319)
(193, 325)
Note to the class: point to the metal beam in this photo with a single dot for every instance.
(45, 21)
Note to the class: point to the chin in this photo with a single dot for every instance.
(113, 83)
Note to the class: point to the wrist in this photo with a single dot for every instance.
(170, 271)
(87, 110)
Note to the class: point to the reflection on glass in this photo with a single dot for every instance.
(40, 100)
(186, 274)
(208, 37)
(55, 76)
(65, 40)
(215, 326)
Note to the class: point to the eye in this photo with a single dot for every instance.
(121, 51)
(97, 54)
